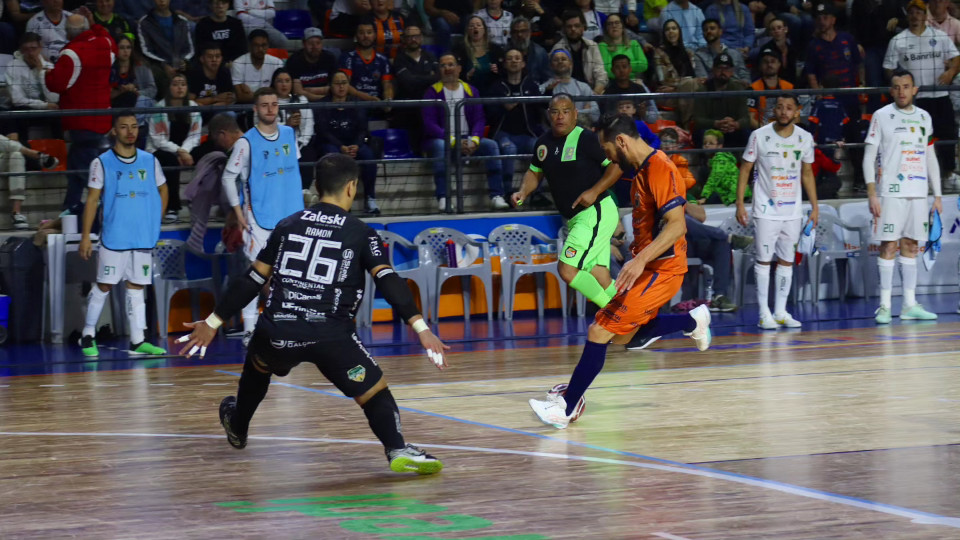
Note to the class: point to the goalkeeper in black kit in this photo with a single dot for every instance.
(317, 258)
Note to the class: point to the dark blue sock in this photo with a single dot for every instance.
(591, 362)
(667, 324)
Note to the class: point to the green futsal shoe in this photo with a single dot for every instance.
(412, 459)
(882, 315)
(147, 348)
(89, 347)
(917, 313)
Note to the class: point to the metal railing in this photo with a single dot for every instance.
(454, 178)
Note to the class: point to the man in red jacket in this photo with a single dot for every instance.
(82, 78)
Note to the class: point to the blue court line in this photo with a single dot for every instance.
(838, 453)
(916, 516)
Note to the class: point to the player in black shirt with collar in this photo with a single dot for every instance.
(579, 175)
(318, 258)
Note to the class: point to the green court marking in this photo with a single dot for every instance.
(379, 515)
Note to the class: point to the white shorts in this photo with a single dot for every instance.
(902, 217)
(134, 266)
(255, 238)
(777, 237)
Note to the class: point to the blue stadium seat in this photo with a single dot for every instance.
(396, 143)
(292, 22)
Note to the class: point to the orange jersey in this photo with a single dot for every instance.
(658, 188)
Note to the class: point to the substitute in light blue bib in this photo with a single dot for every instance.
(274, 181)
(131, 202)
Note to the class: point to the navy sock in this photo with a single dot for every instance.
(591, 362)
(667, 324)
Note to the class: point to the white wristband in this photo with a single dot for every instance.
(419, 326)
(213, 321)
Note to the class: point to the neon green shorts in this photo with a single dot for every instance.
(588, 241)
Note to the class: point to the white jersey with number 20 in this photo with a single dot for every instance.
(778, 171)
(903, 140)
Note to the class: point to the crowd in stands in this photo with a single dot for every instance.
(141, 53)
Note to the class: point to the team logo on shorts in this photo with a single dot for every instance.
(146, 270)
(357, 374)
(570, 253)
(542, 152)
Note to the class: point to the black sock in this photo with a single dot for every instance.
(591, 362)
(251, 391)
(384, 418)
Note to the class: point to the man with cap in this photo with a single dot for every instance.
(932, 58)
(761, 108)
(730, 115)
(312, 67)
(835, 53)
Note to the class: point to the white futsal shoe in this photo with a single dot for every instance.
(787, 320)
(767, 322)
(701, 334)
(552, 412)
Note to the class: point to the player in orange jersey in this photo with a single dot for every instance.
(649, 280)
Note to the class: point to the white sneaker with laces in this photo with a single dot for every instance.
(442, 204)
(20, 222)
(767, 322)
(701, 334)
(787, 320)
(498, 203)
(551, 412)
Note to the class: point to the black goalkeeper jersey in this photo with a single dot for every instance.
(320, 256)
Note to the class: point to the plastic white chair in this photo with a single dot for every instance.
(419, 274)
(515, 243)
(170, 276)
(434, 254)
(742, 259)
(858, 226)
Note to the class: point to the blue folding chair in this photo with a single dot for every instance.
(396, 143)
(292, 22)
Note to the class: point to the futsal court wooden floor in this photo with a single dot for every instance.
(843, 433)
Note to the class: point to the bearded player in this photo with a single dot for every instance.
(649, 280)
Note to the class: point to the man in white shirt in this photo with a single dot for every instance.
(783, 155)
(254, 70)
(270, 180)
(51, 25)
(902, 134)
(24, 77)
(260, 14)
(932, 58)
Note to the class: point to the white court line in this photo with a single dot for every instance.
(669, 536)
(52, 385)
(915, 516)
(161, 384)
(215, 384)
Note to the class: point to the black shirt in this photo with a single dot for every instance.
(320, 256)
(229, 34)
(613, 89)
(201, 86)
(571, 165)
(312, 74)
(413, 77)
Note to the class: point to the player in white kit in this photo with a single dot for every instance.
(781, 155)
(902, 133)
